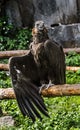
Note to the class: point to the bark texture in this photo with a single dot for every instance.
(53, 91)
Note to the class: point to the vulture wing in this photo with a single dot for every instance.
(25, 80)
(56, 62)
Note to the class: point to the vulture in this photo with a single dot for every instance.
(44, 64)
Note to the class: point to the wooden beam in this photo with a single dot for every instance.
(67, 50)
(62, 90)
(72, 68)
(7, 93)
(7, 54)
(4, 67)
(53, 91)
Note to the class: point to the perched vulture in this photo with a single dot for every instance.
(43, 64)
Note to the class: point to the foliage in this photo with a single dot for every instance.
(73, 77)
(64, 112)
(73, 59)
(5, 80)
(12, 38)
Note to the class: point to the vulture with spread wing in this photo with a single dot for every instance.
(43, 64)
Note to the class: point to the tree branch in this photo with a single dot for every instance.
(56, 90)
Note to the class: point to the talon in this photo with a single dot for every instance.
(46, 86)
(50, 83)
(41, 87)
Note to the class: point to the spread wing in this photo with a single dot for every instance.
(56, 62)
(25, 80)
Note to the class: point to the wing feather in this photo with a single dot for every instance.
(56, 61)
(27, 93)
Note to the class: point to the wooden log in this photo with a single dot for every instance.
(72, 68)
(53, 91)
(7, 93)
(4, 67)
(67, 50)
(7, 54)
(62, 90)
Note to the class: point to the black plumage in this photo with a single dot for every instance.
(43, 63)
